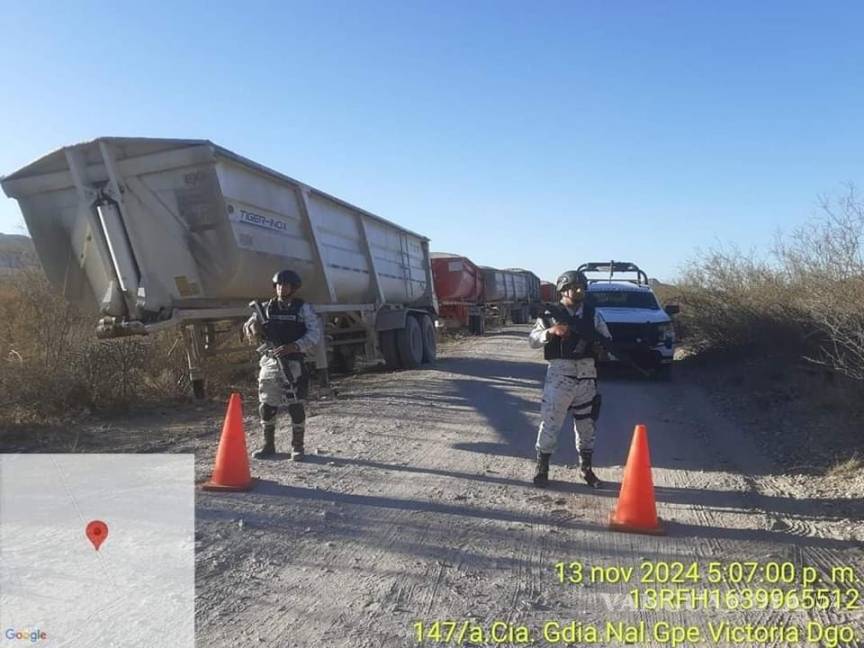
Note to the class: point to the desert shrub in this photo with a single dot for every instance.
(806, 299)
(733, 300)
(826, 259)
(52, 365)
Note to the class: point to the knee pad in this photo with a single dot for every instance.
(267, 412)
(297, 412)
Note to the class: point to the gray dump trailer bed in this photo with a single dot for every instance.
(153, 233)
(511, 292)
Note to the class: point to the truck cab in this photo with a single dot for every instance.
(638, 322)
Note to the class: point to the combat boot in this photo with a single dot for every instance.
(541, 475)
(297, 434)
(587, 473)
(267, 450)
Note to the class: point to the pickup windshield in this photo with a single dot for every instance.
(624, 299)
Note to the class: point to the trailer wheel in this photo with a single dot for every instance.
(409, 342)
(198, 389)
(430, 339)
(388, 349)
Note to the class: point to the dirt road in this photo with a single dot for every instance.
(416, 507)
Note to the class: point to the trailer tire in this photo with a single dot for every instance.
(198, 389)
(409, 343)
(430, 339)
(477, 324)
(388, 349)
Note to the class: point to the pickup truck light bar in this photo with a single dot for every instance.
(613, 267)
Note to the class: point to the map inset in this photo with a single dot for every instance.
(97, 550)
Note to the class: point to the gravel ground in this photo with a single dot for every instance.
(415, 506)
(805, 422)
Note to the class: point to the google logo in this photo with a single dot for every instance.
(24, 635)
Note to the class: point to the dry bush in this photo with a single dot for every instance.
(51, 364)
(233, 365)
(827, 258)
(847, 468)
(732, 300)
(808, 300)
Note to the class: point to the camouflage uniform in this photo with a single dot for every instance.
(571, 386)
(272, 390)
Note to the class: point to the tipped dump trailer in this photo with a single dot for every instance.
(154, 233)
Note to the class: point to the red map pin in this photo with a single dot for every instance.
(97, 532)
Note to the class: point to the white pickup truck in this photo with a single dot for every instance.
(638, 323)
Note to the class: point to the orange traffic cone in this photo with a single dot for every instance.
(636, 511)
(231, 472)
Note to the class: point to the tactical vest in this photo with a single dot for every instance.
(285, 325)
(572, 347)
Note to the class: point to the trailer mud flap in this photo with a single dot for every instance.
(390, 319)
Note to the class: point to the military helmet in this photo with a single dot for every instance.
(287, 277)
(569, 278)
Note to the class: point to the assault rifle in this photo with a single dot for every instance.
(268, 348)
(584, 328)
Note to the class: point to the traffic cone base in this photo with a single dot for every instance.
(231, 469)
(212, 486)
(623, 527)
(636, 511)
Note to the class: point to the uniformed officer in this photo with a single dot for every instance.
(293, 328)
(565, 331)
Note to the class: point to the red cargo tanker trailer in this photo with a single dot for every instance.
(548, 295)
(472, 296)
(459, 288)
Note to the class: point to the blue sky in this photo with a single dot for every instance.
(522, 134)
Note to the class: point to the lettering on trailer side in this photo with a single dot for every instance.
(261, 232)
(259, 220)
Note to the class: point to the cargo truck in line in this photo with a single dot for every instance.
(528, 305)
(548, 294)
(473, 296)
(157, 233)
(459, 289)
